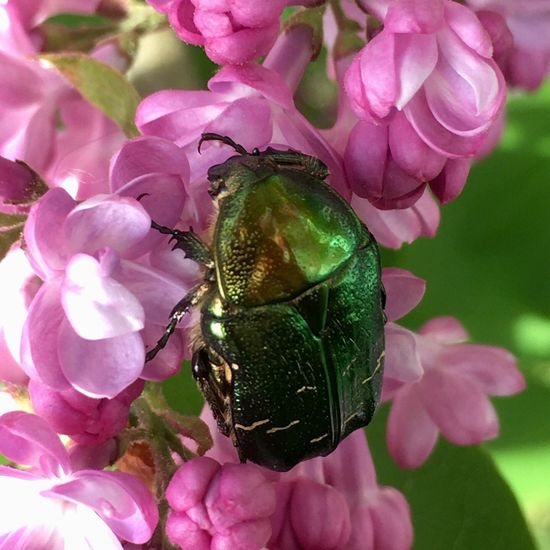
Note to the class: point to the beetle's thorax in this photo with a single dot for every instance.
(237, 172)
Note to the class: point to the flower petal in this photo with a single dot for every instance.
(169, 362)
(410, 153)
(147, 155)
(97, 306)
(158, 292)
(458, 406)
(121, 500)
(106, 221)
(451, 180)
(349, 469)
(189, 485)
(365, 158)
(392, 228)
(39, 353)
(373, 97)
(414, 16)
(177, 115)
(416, 57)
(313, 502)
(493, 369)
(445, 330)
(464, 22)
(28, 439)
(43, 235)
(100, 368)
(83, 528)
(437, 137)
(247, 120)
(391, 520)
(402, 362)
(411, 434)
(28, 521)
(404, 291)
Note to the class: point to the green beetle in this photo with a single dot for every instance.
(291, 344)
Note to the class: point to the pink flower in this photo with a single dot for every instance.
(365, 160)
(391, 166)
(342, 487)
(44, 121)
(435, 97)
(33, 100)
(55, 506)
(392, 228)
(18, 286)
(219, 507)
(451, 397)
(85, 419)
(404, 291)
(231, 31)
(87, 326)
(19, 19)
(252, 104)
(525, 59)
(300, 520)
(437, 382)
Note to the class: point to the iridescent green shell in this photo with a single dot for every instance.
(295, 322)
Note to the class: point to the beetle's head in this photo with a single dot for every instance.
(229, 175)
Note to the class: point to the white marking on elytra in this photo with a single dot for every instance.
(351, 417)
(280, 428)
(317, 439)
(252, 426)
(304, 388)
(376, 369)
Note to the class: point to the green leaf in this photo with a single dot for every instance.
(83, 38)
(182, 393)
(458, 499)
(11, 230)
(101, 85)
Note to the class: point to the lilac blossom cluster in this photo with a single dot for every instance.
(89, 286)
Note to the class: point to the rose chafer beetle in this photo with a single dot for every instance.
(291, 344)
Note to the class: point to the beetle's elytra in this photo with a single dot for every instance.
(291, 345)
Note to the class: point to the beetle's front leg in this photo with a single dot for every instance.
(187, 241)
(192, 298)
(312, 165)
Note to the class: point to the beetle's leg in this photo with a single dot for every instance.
(209, 136)
(192, 298)
(313, 166)
(214, 386)
(187, 241)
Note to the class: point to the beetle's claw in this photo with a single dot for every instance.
(210, 136)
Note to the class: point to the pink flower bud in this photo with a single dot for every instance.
(432, 62)
(219, 507)
(304, 508)
(520, 30)
(232, 32)
(85, 419)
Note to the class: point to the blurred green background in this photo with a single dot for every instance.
(489, 267)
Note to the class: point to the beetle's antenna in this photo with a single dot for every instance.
(224, 139)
